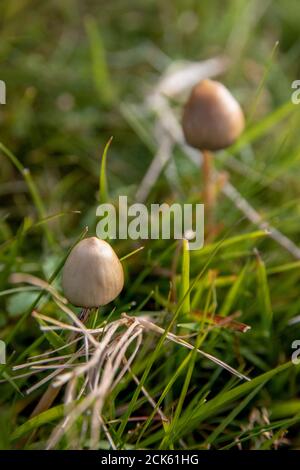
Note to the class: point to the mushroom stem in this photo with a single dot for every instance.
(209, 196)
(84, 315)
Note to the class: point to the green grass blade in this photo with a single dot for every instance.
(156, 351)
(258, 130)
(215, 405)
(185, 278)
(233, 414)
(36, 198)
(266, 73)
(233, 293)
(245, 237)
(101, 76)
(103, 192)
(43, 418)
(264, 298)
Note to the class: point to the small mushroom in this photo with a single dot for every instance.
(212, 120)
(93, 274)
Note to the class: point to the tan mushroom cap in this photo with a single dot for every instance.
(212, 118)
(93, 274)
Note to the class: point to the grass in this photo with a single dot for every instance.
(77, 75)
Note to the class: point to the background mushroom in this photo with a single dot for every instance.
(212, 120)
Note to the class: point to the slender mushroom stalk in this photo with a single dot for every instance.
(212, 120)
(92, 277)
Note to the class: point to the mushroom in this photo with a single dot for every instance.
(93, 274)
(212, 120)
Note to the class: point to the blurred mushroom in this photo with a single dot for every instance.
(212, 120)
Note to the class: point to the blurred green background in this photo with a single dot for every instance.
(60, 112)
